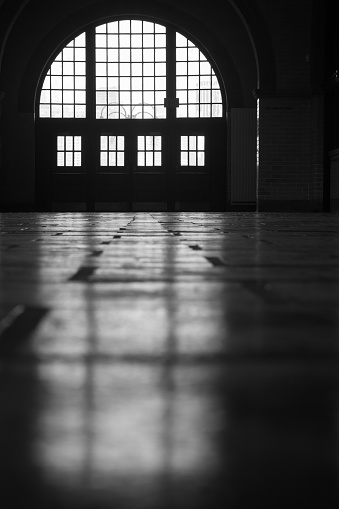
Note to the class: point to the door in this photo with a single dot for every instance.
(131, 169)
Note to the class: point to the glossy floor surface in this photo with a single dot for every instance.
(169, 361)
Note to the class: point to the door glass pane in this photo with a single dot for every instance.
(112, 150)
(192, 150)
(69, 151)
(149, 150)
(136, 58)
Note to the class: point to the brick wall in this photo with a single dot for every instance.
(290, 170)
(290, 150)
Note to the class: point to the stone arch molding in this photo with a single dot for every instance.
(190, 26)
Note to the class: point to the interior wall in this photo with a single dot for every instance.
(256, 45)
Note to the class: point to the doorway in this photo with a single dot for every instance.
(131, 116)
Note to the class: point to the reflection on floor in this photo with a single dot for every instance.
(169, 360)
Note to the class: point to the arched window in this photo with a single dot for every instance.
(129, 69)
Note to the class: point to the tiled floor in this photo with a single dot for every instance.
(169, 361)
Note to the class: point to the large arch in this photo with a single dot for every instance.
(187, 169)
(230, 47)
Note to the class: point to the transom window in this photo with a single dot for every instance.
(130, 70)
(131, 76)
(63, 92)
(197, 86)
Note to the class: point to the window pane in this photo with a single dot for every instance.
(77, 158)
(68, 97)
(136, 26)
(56, 111)
(80, 40)
(201, 142)
(148, 27)
(121, 142)
(69, 142)
(61, 143)
(68, 82)
(68, 54)
(56, 96)
(181, 40)
(61, 159)
(47, 83)
(141, 159)
(45, 97)
(192, 142)
(56, 68)
(103, 142)
(56, 82)
(192, 158)
(136, 41)
(77, 142)
(160, 112)
(80, 97)
(69, 158)
(157, 158)
(103, 159)
(182, 111)
(80, 111)
(141, 143)
(184, 159)
(148, 41)
(149, 142)
(184, 142)
(68, 111)
(80, 54)
(160, 83)
(160, 55)
(120, 158)
(68, 68)
(201, 159)
(125, 26)
(160, 39)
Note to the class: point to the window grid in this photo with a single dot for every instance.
(69, 151)
(197, 86)
(192, 150)
(130, 70)
(149, 151)
(112, 150)
(63, 93)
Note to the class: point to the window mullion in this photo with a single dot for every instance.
(90, 74)
(170, 69)
(89, 152)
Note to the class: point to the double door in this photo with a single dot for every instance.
(122, 165)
